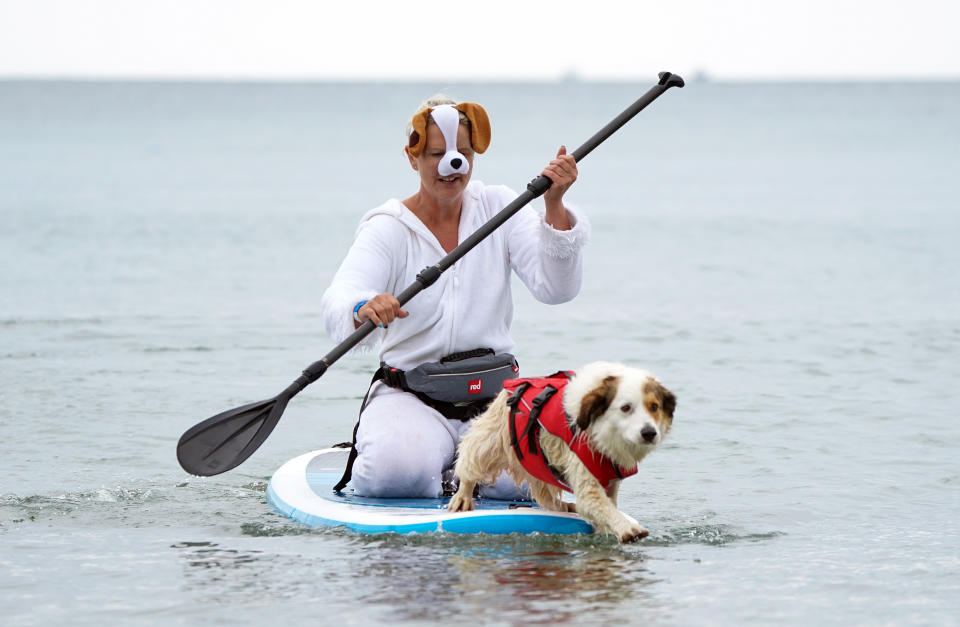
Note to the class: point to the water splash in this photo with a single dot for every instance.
(41, 507)
(709, 535)
(273, 529)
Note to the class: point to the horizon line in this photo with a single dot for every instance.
(701, 77)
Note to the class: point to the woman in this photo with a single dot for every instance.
(403, 445)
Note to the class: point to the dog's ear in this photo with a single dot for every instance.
(597, 401)
(669, 402)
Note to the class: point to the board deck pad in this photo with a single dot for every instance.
(303, 490)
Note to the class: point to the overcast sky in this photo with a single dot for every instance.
(491, 39)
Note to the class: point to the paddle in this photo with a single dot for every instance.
(224, 441)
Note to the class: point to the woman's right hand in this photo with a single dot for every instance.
(381, 309)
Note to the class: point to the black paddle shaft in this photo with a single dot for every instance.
(224, 441)
(537, 187)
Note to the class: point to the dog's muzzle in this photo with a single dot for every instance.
(649, 434)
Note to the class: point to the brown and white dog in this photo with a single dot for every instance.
(624, 413)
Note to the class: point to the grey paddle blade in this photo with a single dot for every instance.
(224, 441)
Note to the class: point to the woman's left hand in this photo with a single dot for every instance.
(563, 172)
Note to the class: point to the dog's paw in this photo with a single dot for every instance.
(462, 501)
(634, 533)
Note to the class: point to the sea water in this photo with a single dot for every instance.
(783, 256)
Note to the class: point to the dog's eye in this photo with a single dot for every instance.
(626, 408)
(654, 408)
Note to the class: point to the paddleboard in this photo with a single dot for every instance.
(303, 490)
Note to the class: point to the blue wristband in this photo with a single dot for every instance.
(357, 309)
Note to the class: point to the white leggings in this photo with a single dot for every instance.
(403, 447)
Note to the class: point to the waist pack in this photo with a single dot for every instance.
(460, 385)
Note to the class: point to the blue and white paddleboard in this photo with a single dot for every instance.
(303, 490)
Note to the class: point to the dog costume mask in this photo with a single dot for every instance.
(447, 118)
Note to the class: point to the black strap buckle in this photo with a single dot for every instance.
(394, 377)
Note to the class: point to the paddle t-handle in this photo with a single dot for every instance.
(224, 441)
(541, 184)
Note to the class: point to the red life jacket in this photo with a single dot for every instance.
(538, 403)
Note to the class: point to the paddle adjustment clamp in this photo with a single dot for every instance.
(429, 275)
(539, 185)
(314, 371)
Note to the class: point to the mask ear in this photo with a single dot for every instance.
(418, 137)
(597, 401)
(479, 125)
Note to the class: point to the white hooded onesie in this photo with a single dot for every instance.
(404, 445)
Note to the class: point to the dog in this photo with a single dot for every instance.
(608, 418)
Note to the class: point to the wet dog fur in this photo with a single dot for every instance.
(625, 413)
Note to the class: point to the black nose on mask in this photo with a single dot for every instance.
(456, 163)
